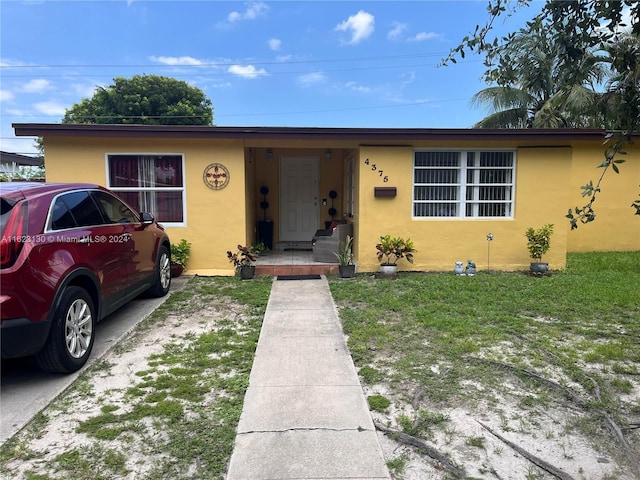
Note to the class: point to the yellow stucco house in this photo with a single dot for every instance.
(446, 189)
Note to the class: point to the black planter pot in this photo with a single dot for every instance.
(347, 271)
(265, 233)
(247, 272)
(539, 267)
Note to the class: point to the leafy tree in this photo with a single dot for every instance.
(577, 29)
(144, 99)
(535, 96)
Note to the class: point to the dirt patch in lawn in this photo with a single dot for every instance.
(501, 377)
(164, 403)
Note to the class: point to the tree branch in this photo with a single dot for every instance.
(402, 437)
(556, 472)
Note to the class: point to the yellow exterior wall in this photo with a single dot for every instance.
(216, 220)
(442, 242)
(616, 226)
(547, 184)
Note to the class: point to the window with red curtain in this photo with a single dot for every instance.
(149, 183)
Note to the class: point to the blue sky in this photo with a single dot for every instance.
(271, 63)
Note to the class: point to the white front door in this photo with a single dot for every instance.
(298, 198)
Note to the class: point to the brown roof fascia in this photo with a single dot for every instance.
(361, 135)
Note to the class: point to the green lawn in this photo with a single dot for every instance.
(465, 342)
(427, 346)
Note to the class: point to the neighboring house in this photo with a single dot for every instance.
(446, 189)
(10, 163)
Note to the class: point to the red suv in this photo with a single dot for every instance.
(71, 254)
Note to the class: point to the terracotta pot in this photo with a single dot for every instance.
(176, 270)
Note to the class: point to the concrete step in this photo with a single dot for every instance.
(315, 269)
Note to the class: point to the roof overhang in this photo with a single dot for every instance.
(359, 136)
(8, 157)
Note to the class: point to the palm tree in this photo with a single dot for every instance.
(618, 105)
(533, 91)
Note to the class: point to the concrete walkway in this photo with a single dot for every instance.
(304, 415)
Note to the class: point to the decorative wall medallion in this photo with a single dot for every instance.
(216, 176)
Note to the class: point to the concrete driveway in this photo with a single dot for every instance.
(25, 390)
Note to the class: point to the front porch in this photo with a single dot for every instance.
(292, 259)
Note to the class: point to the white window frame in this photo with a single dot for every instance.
(462, 184)
(182, 189)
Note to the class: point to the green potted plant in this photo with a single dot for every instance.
(390, 250)
(538, 243)
(243, 260)
(344, 255)
(180, 253)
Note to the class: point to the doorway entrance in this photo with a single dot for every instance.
(298, 198)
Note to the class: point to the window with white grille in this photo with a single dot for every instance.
(463, 184)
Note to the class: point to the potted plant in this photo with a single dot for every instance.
(180, 253)
(538, 243)
(391, 250)
(243, 260)
(344, 255)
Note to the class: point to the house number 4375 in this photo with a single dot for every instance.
(374, 168)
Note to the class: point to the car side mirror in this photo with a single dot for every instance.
(147, 218)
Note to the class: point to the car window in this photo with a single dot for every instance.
(61, 217)
(113, 209)
(5, 207)
(80, 206)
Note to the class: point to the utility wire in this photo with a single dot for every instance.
(228, 64)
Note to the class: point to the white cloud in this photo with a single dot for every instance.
(309, 79)
(8, 63)
(360, 26)
(422, 36)
(221, 85)
(284, 58)
(37, 85)
(397, 32)
(253, 11)
(85, 90)
(275, 44)
(6, 95)
(247, 71)
(50, 108)
(22, 145)
(407, 78)
(353, 86)
(176, 60)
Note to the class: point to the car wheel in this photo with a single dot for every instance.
(72, 333)
(162, 280)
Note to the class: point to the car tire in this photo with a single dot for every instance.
(162, 276)
(72, 333)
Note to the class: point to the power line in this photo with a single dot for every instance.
(228, 64)
(231, 74)
(258, 114)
